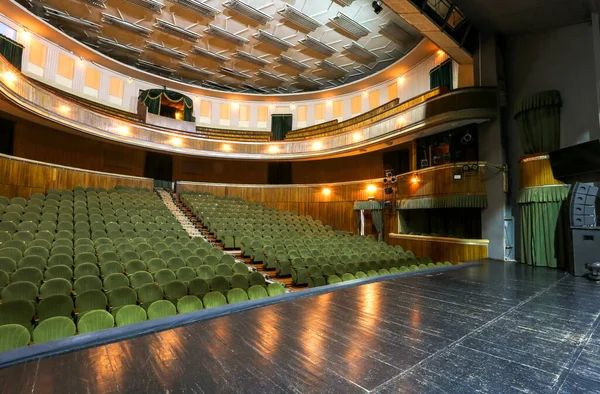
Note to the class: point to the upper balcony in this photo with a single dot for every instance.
(397, 123)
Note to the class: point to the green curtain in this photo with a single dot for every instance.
(538, 121)
(441, 75)
(459, 201)
(280, 126)
(11, 50)
(377, 215)
(544, 226)
(152, 98)
(367, 205)
(357, 218)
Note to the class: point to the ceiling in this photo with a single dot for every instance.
(520, 16)
(256, 46)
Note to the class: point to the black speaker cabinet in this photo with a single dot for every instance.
(583, 205)
(586, 249)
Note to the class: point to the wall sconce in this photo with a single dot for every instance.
(293, 106)
(25, 35)
(235, 105)
(401, 121)
(371, 188)
(9, 77)
(129, 80)
(401, 79)
(356, 137)
(365, 92)
(123, 130)
(273, 149)
(326, 191)
(414, 180)
(317, 145)
(329, 102)
(176, 141)
(178, 115)
(65, 108)
(226, 148)
(440, 52)
(81, 60)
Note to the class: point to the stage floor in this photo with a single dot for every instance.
(500, 328)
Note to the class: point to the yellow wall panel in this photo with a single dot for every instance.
(263, 113)
(356, 105)
(393, 91)
(92, 78)
(225, 111)
(374, 101)
(320, 112)
(338, 109)
(205, 109)
(66, 66)
(116, 87)
(244, 113)
(302, 113)
(37, 54)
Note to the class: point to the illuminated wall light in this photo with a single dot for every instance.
(371, 188)
(178, 115)
(81, 60)
(365, 93)
(235, 105)
(414, 180)
(176, 141)
(440, 52)
(25, 35)
(329, 102)
(123, 130)
(9, 77)
(65, 108)
(401, 121)
(273, 149)
(317, 145)
(196, 98)
(226, 148)
(326, 191)
(356, 137)
(293, 106)
(271, 106)
(401, 79)
(129, 80)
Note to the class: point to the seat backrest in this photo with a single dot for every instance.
(95, 321)
(130, 314)
(214, 299)
(160, 309)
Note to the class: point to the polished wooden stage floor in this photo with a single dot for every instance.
(498, 328)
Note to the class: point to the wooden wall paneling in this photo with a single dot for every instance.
(21, 178)
(344, 169)
(438, 181)
(442, 250)
(536, 171)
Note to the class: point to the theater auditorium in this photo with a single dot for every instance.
(299, 196)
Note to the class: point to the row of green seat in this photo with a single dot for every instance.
(16, 316)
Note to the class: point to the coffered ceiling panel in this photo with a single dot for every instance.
(267, 46)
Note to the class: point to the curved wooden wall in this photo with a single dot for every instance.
(21, 178)
(442, 249)
(535, 171)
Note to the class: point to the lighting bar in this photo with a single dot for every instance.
(254, 88)
(129, 26)
(234, 74)
(198, 7)
(288, 61)
(71, 20)
(272, 40)
(267, 75)
(166, 51)
(208, 54)
(215, 85)
(177, 31)
(154, 67)
(305, 81)
(349, 25)
(94, 3)
(395, 32)
(299, 18)
(151, 5)
(107, 43)
(361, 52)
(331, 67)
(248, 11)
(223, 34)
(317, 46)
(245, 56)
(196, 70)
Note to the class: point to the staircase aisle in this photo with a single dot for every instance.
(182, 217)
(189, 216)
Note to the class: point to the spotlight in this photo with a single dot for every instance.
(465, 167)
(377, 8)
(466, 138)
(388, 190)
(389, 173)
(385, 181)
(447, 157)
(424, 163)
(394, 179)
(474, 167)
(387, 204)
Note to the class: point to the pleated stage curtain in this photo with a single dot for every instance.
(459, 201)
(538, 121)
(544, 226)
(376, 208)
(280, 126)
(441, 75)
(152, 98)
(11, 50)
